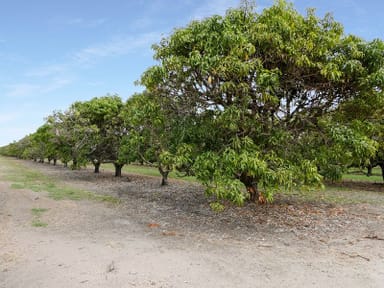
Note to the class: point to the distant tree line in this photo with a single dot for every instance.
(249, 103)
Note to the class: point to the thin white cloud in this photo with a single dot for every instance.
(47, 70)
(7, 118)
(85, 22)
(21, 90)
(116, 47)
(25, 90)
(75, 21)
(55, 84)
(98, 22)
(49, 78)
(141, 23)
(95, 83)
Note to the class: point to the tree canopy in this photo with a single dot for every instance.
(267, 83)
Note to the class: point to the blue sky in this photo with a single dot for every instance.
(53, 52)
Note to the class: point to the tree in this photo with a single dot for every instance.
(43, 143)
(73, 135)
(263, 83)
(364, 113)
(370, 124)
(103, 115)
(20, 149)
(337, 146)
(151, 133)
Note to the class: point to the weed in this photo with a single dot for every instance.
(217, 207)
(38, 223)
(38, 211)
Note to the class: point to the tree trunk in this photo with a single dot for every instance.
(369, 170)
(65, 164)
(54, 161)
(75, 164)
(250, 184)
(164, 179)
(164, 174)
(382, 169)
(97, 166)
(118, 168)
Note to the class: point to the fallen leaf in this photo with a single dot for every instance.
(169, 233)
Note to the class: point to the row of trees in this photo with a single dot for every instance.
(248, 103)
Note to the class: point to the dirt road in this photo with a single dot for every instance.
(93, 244)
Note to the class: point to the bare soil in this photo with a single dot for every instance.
(169, 237)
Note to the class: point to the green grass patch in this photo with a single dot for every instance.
(65, 192)
(336, 195)
(27, 178)
(38, 211)
(17, 186)
(39, 223)
(361, 175)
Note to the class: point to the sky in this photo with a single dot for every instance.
(55, 52)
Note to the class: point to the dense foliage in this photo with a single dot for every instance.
(249, 103)
(269, 85)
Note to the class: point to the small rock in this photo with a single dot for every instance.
(111, 267)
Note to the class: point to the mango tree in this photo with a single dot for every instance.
(103, 115)
(364, 113)
(21, 149)
(44, 144)
(262, 82)
(152, 136)
(73, 135)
